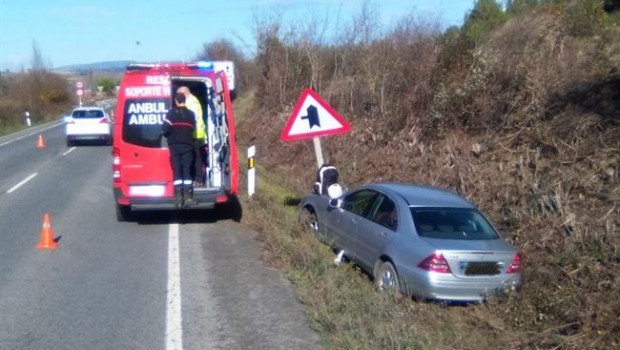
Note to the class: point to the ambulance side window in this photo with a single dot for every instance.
(142, 121)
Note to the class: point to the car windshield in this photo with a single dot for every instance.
(452, 223)
(85, 113)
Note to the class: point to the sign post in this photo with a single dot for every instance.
(318, 151)
(311, 118)
(79, 90)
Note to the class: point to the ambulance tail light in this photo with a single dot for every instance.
(116, 165)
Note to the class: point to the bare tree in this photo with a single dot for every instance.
(37, 62)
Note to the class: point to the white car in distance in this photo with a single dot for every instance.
(91, 124)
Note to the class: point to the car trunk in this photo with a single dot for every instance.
(473, 259)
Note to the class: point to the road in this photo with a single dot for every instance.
(164, 282)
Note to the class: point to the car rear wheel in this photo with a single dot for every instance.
(386, 279)
(309, 221)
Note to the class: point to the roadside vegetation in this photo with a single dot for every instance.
(517, 110)
(39, 91)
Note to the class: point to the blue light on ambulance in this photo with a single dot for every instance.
(207, 65)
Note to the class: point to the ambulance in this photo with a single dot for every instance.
(142, 174)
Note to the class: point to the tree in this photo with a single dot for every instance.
(37, 62)
(220, 50)
(108, 84)
(517, 6)
(484, 17)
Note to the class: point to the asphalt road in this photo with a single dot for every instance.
(165, 282)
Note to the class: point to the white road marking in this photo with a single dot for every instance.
(69, 151)
(21, 183)
(174, 330)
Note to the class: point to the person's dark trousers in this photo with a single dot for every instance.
(200, 161)
(182, 161)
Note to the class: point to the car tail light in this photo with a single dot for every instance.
(221, 199)
(116, 164)
(104, 120)
(435, 263)
(515, 265)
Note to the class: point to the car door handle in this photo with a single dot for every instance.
(355, 221)
(382, 234)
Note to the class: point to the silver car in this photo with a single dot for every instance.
(421, 241)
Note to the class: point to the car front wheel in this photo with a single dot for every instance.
(386, 279)
(309, 221)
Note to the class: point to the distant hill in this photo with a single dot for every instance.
(110, 66)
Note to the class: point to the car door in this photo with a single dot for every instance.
(343, 222)
(376, 230)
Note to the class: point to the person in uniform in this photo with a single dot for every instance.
(193, 104)
(178, 127)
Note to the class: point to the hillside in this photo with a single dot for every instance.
(524, 122)
(108, 66)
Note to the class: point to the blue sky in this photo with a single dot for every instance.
(74, 32)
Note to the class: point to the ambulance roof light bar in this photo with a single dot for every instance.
(202, 65)
(140, 66)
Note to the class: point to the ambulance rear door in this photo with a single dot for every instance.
(144, 158)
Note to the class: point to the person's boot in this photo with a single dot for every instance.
(178, 196)
(188, 196)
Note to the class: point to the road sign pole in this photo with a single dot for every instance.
(318, 151)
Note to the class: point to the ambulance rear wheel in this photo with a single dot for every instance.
(123, 213)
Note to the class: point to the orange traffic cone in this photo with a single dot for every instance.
(47, 234)
(40, 142)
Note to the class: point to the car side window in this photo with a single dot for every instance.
(359, 202)
(384, 212)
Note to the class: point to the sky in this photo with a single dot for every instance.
(70, 32)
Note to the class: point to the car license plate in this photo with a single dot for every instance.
(150, 190)
(476, 268)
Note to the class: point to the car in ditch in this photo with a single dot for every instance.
(419, 241)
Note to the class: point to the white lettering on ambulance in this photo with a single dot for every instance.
(158, 79)
(147, 91)
(146, 113)
(146, 119)
(147, 107)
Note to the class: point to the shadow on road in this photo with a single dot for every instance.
(230, 211)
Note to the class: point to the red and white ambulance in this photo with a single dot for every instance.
(141, 160)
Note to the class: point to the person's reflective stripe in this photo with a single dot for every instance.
(182, 124)
(187, 182)
(178, 182)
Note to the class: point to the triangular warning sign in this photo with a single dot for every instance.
(313, 117)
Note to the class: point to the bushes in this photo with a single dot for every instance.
(42, 93)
